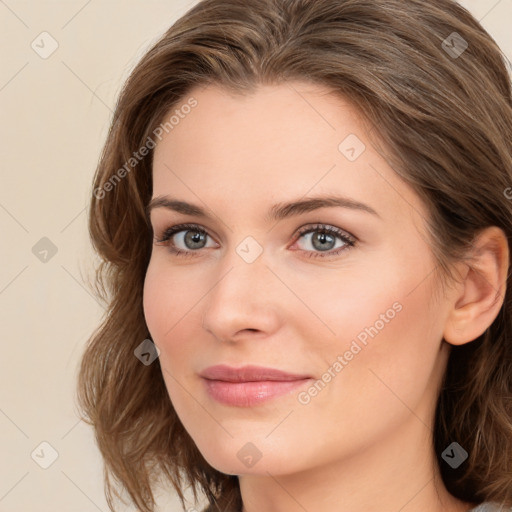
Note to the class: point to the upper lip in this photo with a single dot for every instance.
(248, 374)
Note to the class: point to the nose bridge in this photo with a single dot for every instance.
(241, 296)
(243, 276)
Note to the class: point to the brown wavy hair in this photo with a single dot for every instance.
(444, 122)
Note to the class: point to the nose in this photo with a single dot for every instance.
(244, 301)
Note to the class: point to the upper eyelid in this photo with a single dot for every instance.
(302, 230)
(319, 226)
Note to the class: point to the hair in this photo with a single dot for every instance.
(445, 123)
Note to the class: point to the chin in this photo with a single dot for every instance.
(245, 458)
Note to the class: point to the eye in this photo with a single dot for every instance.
(191, 236)
(323, 238)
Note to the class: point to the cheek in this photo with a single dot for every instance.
(166, 299)
(387, 334)
(165, 311)
(172, 313)
(153, 302)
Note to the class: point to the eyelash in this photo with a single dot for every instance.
(323, 228)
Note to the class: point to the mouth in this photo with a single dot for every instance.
(250, 385)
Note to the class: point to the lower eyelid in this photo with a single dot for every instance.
(331, 253)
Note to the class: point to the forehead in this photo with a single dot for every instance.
(281, 141)
(282, 120)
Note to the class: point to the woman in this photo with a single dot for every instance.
(303, 211)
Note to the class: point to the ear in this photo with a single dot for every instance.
(480, 294)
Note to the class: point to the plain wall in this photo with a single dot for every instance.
(55, 114)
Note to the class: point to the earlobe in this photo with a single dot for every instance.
(480, 295)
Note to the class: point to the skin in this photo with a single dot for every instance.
(364, 442)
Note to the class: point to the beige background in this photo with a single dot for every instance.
(55, 114)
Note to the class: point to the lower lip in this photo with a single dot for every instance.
(248, 394)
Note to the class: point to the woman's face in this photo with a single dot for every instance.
(341, 297)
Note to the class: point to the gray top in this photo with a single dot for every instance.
(490, 507)
(483, 507)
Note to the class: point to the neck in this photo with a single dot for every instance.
(400, 474)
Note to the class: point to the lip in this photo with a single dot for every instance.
(249, 385)
(249, 373)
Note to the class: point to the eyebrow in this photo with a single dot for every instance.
(277, 212)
